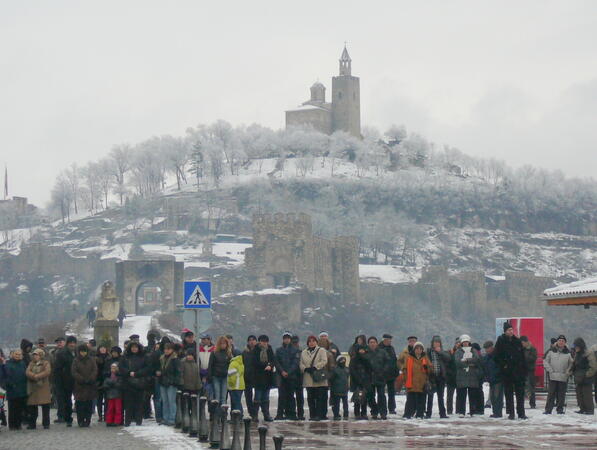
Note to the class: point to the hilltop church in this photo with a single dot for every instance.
(344, 111)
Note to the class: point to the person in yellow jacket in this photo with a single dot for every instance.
(236, 382)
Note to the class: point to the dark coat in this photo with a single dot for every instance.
(112, 386)
(530, 356)
(218, 364)
(61, 372)
(379, 362)
(26, 348)
(492, 372)
(263, 379)
(443, 358)
(170, 370)
(84, 370)
(100, 360)
(393, 371)
(451, 370)
(248, 362)
(191, 380)
(509, 357)
(138, 364)
(287, 359)
(15, 379)
(360, 370)
(339, 380)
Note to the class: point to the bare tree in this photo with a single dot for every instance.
(122, 156)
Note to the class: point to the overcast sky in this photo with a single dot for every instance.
(510, 79)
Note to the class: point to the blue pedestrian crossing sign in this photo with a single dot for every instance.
(197, 295)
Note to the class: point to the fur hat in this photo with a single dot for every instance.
(488, 344)
(287, 334)
(39, 351)
(340, 357)
(465, 338)
(418, 344)
(324, 334)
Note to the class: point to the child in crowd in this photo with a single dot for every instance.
(339, 387)
(113, 394)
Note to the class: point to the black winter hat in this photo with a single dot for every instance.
(387, 336)
(117, 349)
(59, 339)
(554, 340)
(134, 337)
(561, 336)
(507, 326)
(71, 339)
(524, 338)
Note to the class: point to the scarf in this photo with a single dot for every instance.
(263, 355)
(435, 363)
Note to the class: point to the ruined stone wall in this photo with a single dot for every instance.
(284, 248)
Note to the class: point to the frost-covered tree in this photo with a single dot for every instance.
(121, 156)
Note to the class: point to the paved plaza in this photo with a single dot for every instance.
(540, 431)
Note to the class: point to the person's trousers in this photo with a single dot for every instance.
(114, 411)
(461, 394)
(478, 401)
(530, 389)
(300, 402)
(101, 405)
(262, 400)
(556, 395)
(65, 401)
(450, 398)
(286, 402)
(16, 409)
(45, 415)
(157, 401)
(133, 406)
(391, 387)
(316, 398)
(84, 410)
(512, 389)
(360, 408)
(378, 406)
(236, 401)
(438, 390)
(220, 386)
(416, 404)
(336, 399)
(251, 409)
(168, 396)
(496, 395)
(584, 397)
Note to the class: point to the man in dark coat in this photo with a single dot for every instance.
(492, 375)
(386, 345)
(263, 365)
(134, 369)
(287, 366)
(509, 357)
(63, 379)
(438, 360)
(360, 377)
(298, 388)
(248, 359)
(84, 372)
(530, 355)
(379, 361)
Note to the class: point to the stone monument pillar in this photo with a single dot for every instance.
(106, 323)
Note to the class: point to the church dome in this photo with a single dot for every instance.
(318, 85)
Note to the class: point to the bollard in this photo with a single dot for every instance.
(214, 429)
(184, 412)
(247, 421)
(278, 440)
(203, 425)
(193, 429)
(235, 415)
(224, 432)
(262, 436)
(178, 419)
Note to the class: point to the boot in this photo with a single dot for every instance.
(255, 416)
(265, 411)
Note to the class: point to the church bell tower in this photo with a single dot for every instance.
(346, 98)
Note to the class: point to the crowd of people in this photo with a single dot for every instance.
(127, 387)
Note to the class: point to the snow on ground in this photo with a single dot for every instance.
(389, 274)
(233, 250)
(166, 438)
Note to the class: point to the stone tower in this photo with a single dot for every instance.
(346, 99)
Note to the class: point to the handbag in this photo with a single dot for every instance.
(318, 375)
